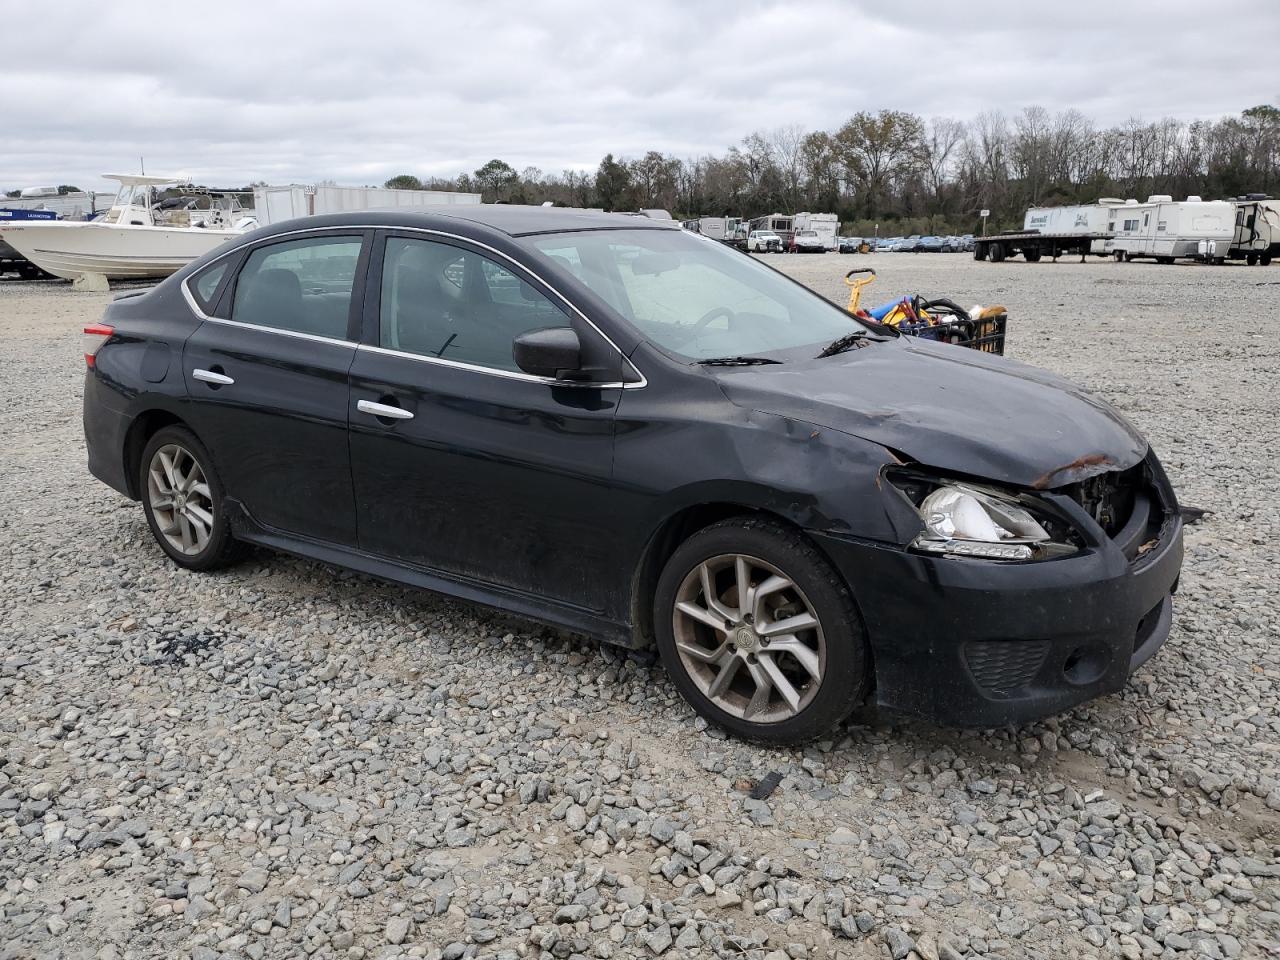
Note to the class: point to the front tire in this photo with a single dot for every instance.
(759, 633)
(183, 501)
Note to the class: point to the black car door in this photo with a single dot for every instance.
(463, 464)
(267, 380)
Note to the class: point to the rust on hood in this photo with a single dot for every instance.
(1077, 469)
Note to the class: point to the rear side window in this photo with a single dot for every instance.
(302, 286)
(443, 301)
(205, 284)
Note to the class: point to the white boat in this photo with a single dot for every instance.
(132, 240)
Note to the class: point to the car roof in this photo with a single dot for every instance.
(511, 219)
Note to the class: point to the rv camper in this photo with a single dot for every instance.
(1257, 238)
(1164, 230)
(825, 225)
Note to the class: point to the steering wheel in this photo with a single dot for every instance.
(712, 314)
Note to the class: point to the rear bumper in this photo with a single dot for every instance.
(976, 643)
(106, 427)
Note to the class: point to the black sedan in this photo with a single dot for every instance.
(628, 430)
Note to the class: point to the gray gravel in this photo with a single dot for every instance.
(285, 759)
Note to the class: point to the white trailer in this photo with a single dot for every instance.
(1257, 237)
(1164, 230)
(717, 228)
(274, 204)
(1087, 222)
(825, 225)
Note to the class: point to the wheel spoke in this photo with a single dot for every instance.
(162, 503)
(720, 685)
(184, 526)
(701, 614)
(166, 464)
(202, 488)
(801, 621)
(200, 515)
(712, 601)
(701, 653)
(760, 698)
(201, 532)
(771, 585)
(780, 682)
(805, 656)
(742, 577)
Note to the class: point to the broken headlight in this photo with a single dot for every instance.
(965, 520)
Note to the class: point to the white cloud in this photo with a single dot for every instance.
(238, 91)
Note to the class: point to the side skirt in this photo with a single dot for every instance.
(515, 602)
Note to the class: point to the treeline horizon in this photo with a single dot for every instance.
(914, 175)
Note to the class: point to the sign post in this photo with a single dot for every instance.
(984, 214)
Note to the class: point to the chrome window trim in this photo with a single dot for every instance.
(339, 229)
(497, 372)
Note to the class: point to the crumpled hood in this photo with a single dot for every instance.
(950, 408)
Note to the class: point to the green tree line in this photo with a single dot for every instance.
(925, 175)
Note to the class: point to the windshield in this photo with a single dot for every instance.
(693, 296)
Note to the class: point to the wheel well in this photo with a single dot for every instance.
(141, 430)
(674, 531)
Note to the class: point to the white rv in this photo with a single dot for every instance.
(1078, 221)
(825, 225)
(1257, 238)
(1164, 230)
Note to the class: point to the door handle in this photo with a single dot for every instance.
(211, 376)
(383, 410)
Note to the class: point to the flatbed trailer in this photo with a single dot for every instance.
(1033, 245)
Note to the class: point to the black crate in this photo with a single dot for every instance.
(986, 335)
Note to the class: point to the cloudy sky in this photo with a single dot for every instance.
(231, 92)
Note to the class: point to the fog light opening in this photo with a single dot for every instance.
(1084, 665)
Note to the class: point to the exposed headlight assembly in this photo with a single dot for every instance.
(966, 521)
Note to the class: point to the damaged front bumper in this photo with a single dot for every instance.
(980, 643)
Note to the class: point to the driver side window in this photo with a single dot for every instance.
(447, 302)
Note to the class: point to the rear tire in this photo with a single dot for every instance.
(1264, 259)
(1251, 259)
(783, 686)
(980, 252)
(1031, 256)
(997, 252)
(183, 500)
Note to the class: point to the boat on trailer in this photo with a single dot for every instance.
(133, 240)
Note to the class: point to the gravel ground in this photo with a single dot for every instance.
(285, 759)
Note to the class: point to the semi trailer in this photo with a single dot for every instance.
(1052, 232)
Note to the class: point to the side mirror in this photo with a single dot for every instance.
(550, 352)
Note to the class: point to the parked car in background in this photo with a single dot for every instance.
(807, 241)
(909, 244)
(764, 241)
(853, 245)
(678, 446)
(929, 245)
(887, 244)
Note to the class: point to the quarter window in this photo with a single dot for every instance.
(443, 301)
(300, 285)
(205, 284)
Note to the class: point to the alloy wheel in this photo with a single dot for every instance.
(180, 499)
(749, 638)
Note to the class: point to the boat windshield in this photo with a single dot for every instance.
(132, 205)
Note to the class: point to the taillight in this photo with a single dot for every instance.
(95, 335)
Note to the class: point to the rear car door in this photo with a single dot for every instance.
(484, 472)
(267, 379)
